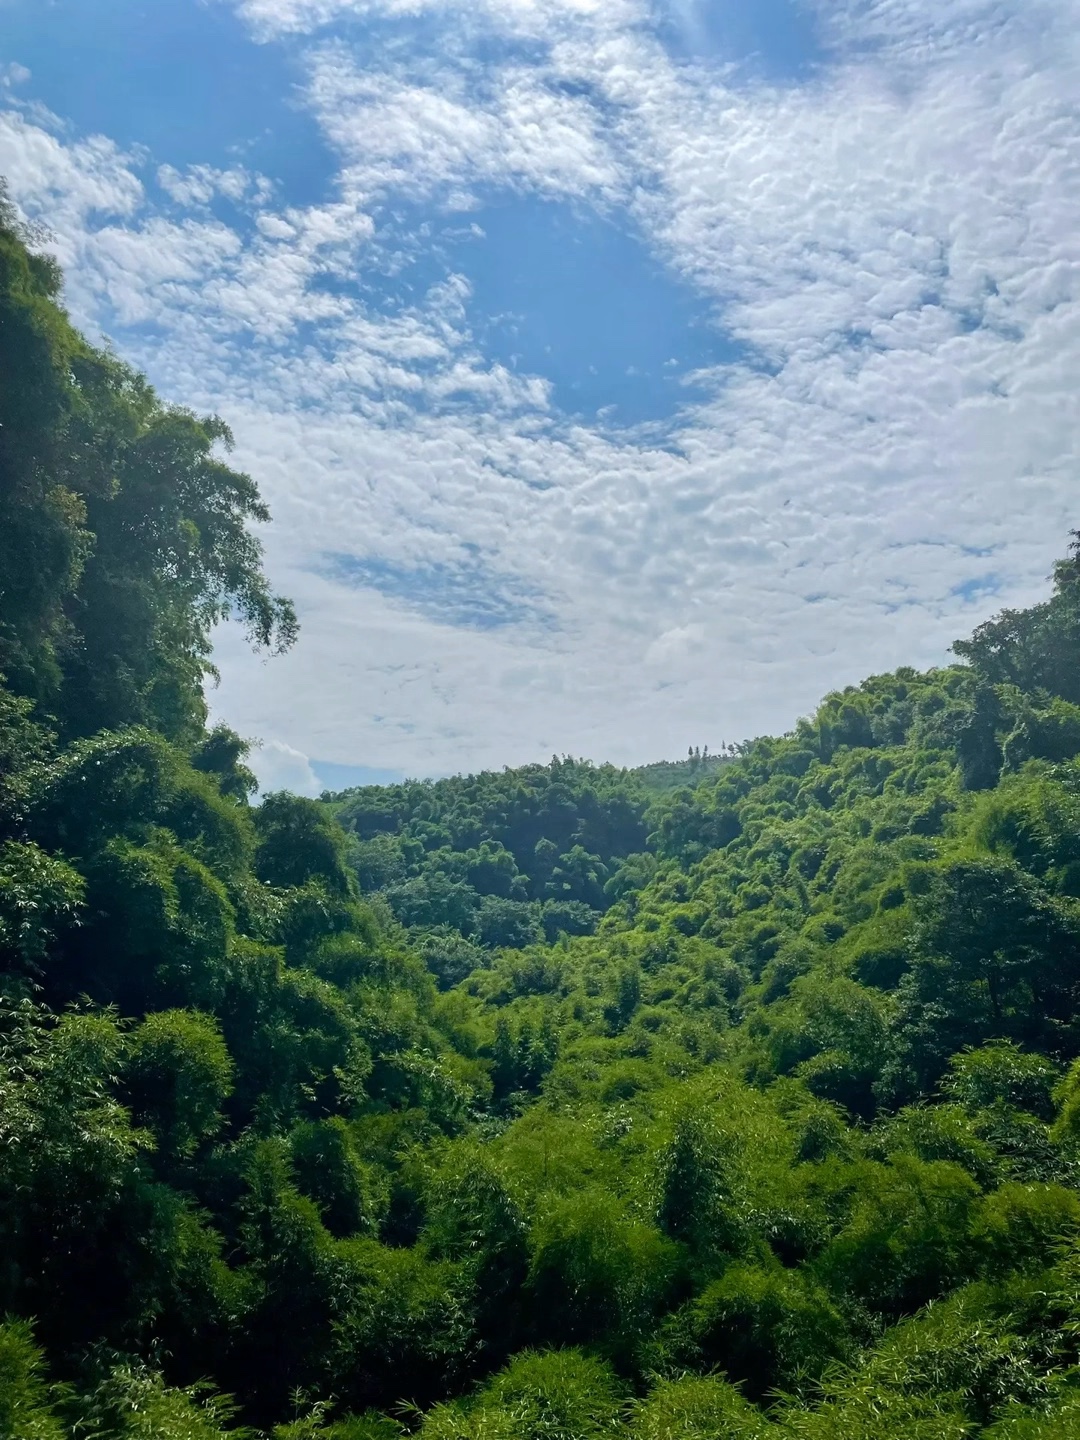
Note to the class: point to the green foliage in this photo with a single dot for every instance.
(699, 1173)
(907, 1239)
(1036, 649)
(1019, 1226)
(178, 1075)
(698, 1407)
(330, 1171)
(471, 1216)
(40, 897)
(317, 1425)
(298, 843)
(405, 1329)
(125, 536)
(26, 1409)
(503, 859)
(764, 1326)
(596, 1273)
(133, 1403)
(1002, 1074)
(547, 1395)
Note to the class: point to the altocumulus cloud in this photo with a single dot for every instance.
(886, 237)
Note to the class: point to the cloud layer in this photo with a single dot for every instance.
(890, 240)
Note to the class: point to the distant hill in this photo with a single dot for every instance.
(505, 858)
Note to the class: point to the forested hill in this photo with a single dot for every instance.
(759, 1120)
(504, 860)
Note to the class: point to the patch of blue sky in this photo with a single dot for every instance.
(335, 777)
(772, 40)
(182, 79)
(561, 292)
(979, 587)
(468, 595)
(931, 543)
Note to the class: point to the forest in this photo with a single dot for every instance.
(736, 1098)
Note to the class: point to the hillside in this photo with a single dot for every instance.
(477, 863)
(734, 1099)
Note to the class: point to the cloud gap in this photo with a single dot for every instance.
(467, 595)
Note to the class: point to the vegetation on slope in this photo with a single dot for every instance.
(499, 861)
(780, 1140)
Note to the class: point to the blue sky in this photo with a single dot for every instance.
(622, 374)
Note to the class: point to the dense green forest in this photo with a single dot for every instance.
(491, 862)
(734, 1099)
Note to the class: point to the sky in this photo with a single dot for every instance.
(622, 375)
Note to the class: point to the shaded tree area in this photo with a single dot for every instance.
(779, 1138)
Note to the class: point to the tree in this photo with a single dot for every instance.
(1002, 1075)
(764, 1326)
(1038, 648)
(596, 1275)
(299, 842)
(44, 538)
(123, 536)
(994, 959)
(26, 1410)
(473, 1217)
(695, 1407)
(178, 1075)
(908, 1238)
(350, 1194)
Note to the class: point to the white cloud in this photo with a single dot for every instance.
(74, 182)
(279, 766)
(197, 185)
(671, 651)
(412, 139)
(270, 18)
(894, 242)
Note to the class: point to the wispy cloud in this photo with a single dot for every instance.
(198, 185)
(13, 74)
